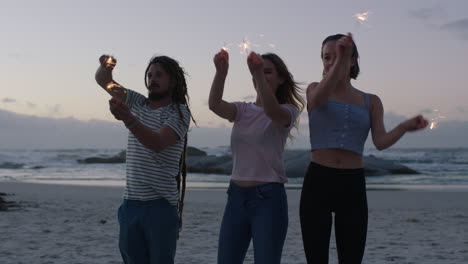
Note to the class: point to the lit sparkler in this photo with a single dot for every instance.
(226, 46)
(245, 46)
(434, 123)
(362, 17)
(115, 88)
(110, 62)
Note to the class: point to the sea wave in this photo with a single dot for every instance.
(11, 165)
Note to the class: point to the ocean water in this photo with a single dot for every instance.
(438, 167)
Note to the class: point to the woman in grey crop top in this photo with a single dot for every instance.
(340, 117)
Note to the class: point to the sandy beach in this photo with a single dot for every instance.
(78, 224)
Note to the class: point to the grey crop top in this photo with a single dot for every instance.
(341, 125)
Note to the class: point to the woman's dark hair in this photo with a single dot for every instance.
(354, 71)
(179, 96)
(289, 91)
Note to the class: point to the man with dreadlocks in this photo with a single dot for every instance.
(151, 211)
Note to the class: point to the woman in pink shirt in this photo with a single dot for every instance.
(257, 207)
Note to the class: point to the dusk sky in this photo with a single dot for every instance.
(413, 53)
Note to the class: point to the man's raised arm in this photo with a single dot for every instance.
(104, 78)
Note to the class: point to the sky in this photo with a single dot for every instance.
(412, 53)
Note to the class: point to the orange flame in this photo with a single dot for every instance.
(110, 62)
(112, 85)
(436, 120)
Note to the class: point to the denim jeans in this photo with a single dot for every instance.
(258, 213)
(148, 231)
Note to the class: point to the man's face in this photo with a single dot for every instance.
(159, 82)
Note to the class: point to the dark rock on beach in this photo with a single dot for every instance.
(376, 167)
(210, 164)
(6, 205)
(3, 206)
(191, 151)
(295, 162)
(119, 158)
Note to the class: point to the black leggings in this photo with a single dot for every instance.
(342, 191)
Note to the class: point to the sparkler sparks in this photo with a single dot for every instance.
(110, 62)
(225, 46)
(434, 123)
(362, 17)
(245, 46)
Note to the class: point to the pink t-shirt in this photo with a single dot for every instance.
(257, 144)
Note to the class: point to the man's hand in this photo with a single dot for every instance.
(108, 62)
(104, 72)
(121, 111)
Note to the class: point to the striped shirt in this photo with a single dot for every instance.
(152, 175)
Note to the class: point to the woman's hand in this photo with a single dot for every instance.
(121, 111)
(415, 123)
(344, 46)
(221, 61)
(255, 63)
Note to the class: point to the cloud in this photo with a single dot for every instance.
(429, 13)
(15, 56)
(54, 110)
(460, 109)
(31, 105)
(8, 100)
(249, 98)
(32, 132)
(437, 18)
(459, 26)
(426, 111)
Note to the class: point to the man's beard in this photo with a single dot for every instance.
(156, 96)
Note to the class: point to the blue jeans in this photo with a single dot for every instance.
(259, 213)
(148, 231)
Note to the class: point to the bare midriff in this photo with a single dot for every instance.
(337, 158)
(247, 183)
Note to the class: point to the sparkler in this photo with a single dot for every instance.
(115, 87)
(110, 62)
(271, 45)
(226, 46)
(362, 17)
(245, 46)
(434, 123)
